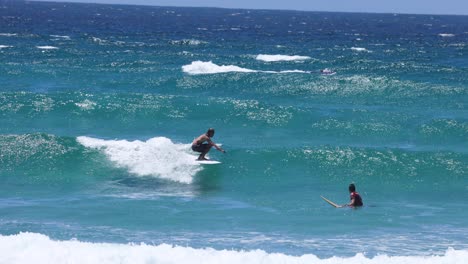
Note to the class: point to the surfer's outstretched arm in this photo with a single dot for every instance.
(217, 147)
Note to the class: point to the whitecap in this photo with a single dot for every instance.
(5, 46)
(61, 37)
(208, 67)
(98, 40)
(189, 42)
(279, 57)
(47, 47)
(358, 49)
(446, 35)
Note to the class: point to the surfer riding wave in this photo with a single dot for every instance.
(199, 145)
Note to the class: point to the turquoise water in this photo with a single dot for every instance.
(99, 105)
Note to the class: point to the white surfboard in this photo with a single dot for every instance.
(208, 162)
(331, 203)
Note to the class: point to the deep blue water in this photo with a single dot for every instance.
(99, 105)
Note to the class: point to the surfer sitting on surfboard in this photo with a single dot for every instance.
(356, 199)
(199, 145)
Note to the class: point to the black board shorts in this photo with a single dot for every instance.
(201, 147)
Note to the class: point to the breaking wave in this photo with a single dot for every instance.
(38, 248)
(157, 157)
(202, 67)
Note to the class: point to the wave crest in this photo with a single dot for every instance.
(40, 150)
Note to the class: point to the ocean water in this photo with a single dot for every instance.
(99, 105)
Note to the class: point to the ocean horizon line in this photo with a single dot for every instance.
(255, 9)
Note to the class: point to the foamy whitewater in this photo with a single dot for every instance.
(24, 247)
(99, 105)
(201, 67)
(157, 157)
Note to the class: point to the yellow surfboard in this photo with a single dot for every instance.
(331, 203)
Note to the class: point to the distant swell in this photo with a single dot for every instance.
(38, 248)
(157, 157)
(202, 67)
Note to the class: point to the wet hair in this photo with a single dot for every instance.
(352, 187)
(210, 131)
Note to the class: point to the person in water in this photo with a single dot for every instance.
(326, 71)
(203, 144)
(355, 198)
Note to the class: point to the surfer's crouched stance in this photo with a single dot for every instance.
(199, 145)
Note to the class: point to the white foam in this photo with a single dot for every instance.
(86, 105)
(8, 34)
(360, 49)
(208, 67)
(279, 57)
(47, 47)
(5, 46)
(446, 35)
(189, 42)
(290, 71)
(98, 40)
(157, 157)
(38, 248)
(61, 37)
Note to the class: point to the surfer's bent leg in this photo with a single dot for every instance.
(203, 149)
